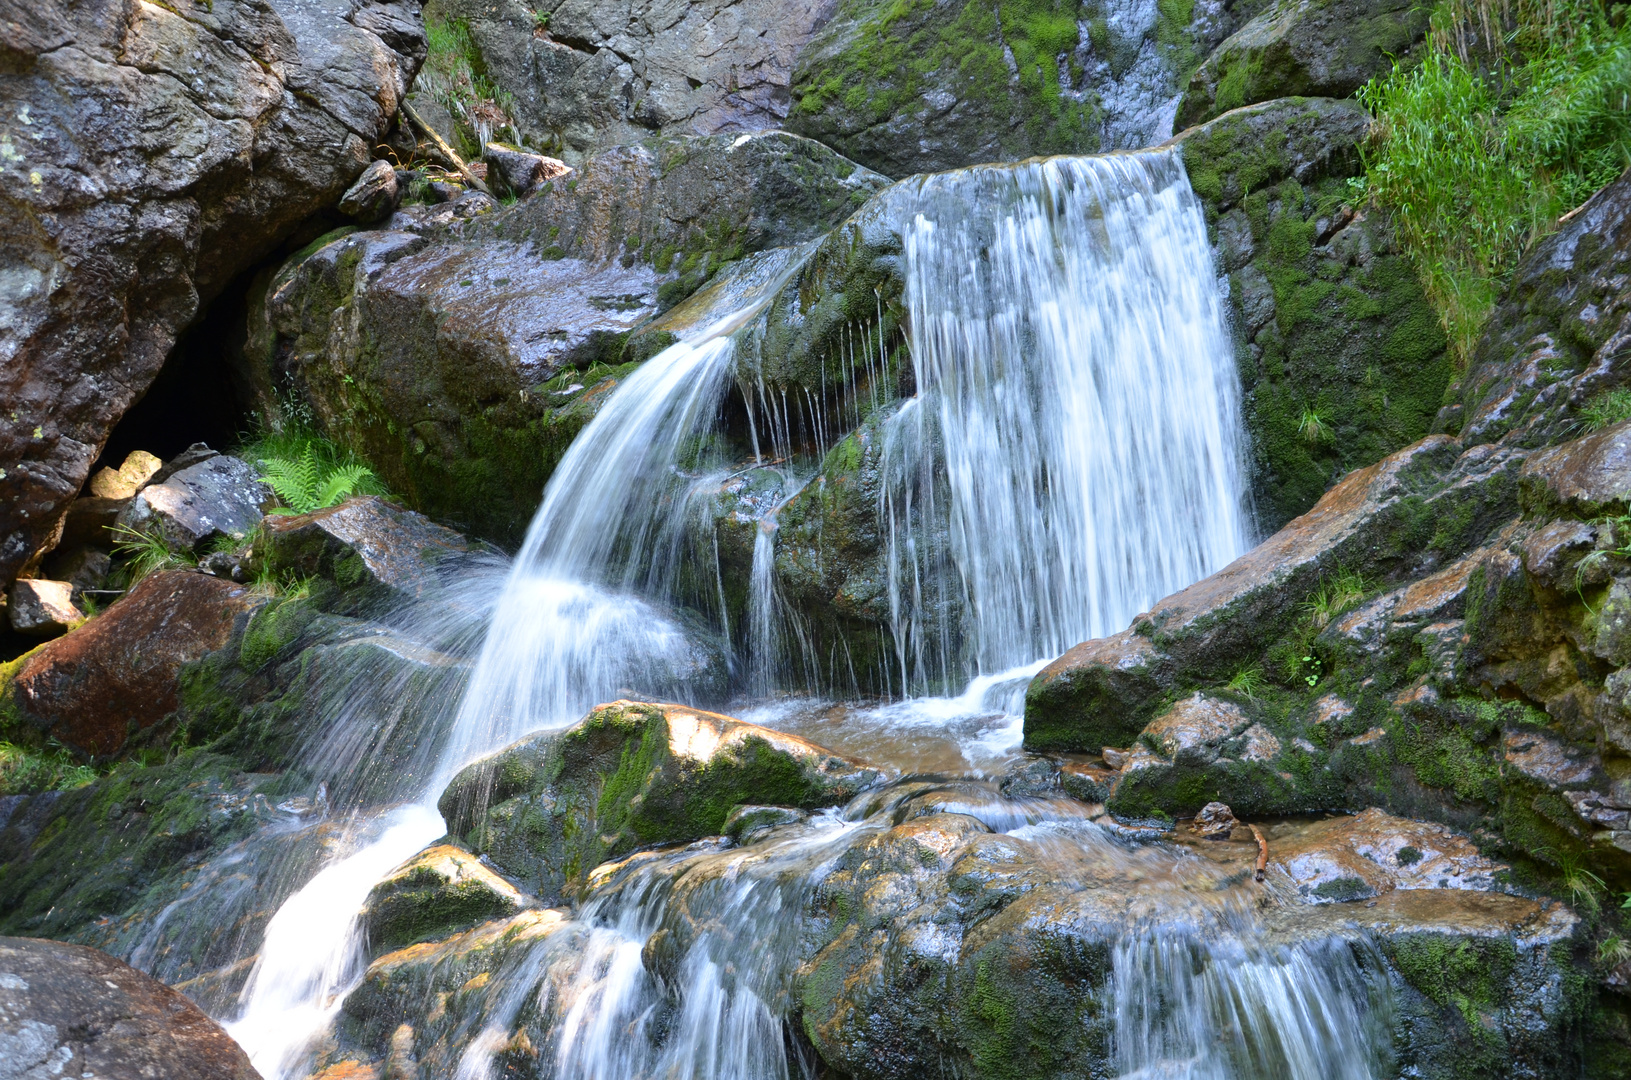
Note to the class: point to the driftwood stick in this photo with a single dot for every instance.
(452, 155)
(1262, 850)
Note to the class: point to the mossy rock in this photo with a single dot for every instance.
(1304, 48)
(1341, 356)
(628, 776)
(438, 892)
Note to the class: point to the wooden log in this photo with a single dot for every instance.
(1262, 850)
(452, 155)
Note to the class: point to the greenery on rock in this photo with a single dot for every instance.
(455, 76)
(1514, 117)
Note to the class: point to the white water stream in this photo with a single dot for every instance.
(1073, 453)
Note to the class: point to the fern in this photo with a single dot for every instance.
(304, 485)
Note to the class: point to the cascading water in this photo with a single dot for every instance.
(1077, 423)
(1072, 454)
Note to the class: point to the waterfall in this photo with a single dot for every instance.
(1077, 426)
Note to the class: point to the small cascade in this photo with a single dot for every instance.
(1075, 451)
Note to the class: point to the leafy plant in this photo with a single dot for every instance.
(1314, 427)
(24, 770)
(1247, 681)
(1336, 594)
(1514, 116)
(454, 74)
(1313, 668)
(1613, 951)
(1607, 409)
(305, 484)
(145, 553)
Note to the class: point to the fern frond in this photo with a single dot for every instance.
(341, 483)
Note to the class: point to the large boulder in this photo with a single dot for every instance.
(923, 87)
(116, 676)
(1404, 515)
(151, 157)
(579, 77)
(219, 498)
(630, 775)
(1342, 358)
(73, 1011)
(1559, 335)
(1304, 48)
(461, 363)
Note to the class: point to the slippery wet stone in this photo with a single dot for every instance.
(220, 497)
(632, 775)
(116, 676)
(441, 890)
(73, 1011)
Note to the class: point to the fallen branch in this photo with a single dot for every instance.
(1262, 850)
(458, 162)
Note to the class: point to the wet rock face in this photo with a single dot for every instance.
(375, 550)
(1341, 356)
(460, 362)
(220, 497)
(1303, 48)
(116, 676)
(627, 776)
(437, 892)
(73, 1011)
(925, 87)
(151, 158)
(1558, 336)
(1404, 513)
(585, 76)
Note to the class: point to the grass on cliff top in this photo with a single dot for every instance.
(1513, 118)
(454, 74)
(25, 771)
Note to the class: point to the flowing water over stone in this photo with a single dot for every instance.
(1072, 454)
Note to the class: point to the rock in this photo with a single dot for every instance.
(1273, 181)
(513, 171)
(1588, 477)
(41, 608)
(1214, 821)
(1103, 691)
(219, 497)
(940, 86)
(1303, 48)
(1192, 726)
(437, 892)
(373, 196)
(1367, 854)
(513, 330)
(195, 454)
(121, 483)
(368, 545)
(629, 775)
(85, 568)
(90, 521)
(587, 78)
(747, 824)
(1555, 338)
(155, 156)
(116, 675)
(75, 1011)
(225, 564)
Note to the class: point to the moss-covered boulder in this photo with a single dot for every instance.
(1341, 356)
(1393, 519)
(1303, 48)
(1556, 340)
(438, 892)
(627, 776)
(459, 363)
(930, 85)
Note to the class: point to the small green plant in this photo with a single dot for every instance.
(1583, 885)
(1312, 670)
(1314, 428)
(1613, 951)
(540, 19)
(25, 771)
(1607, 409)
(305, 484)
(144, 553)
(1247, 681)
(1408, 855)
(1336, 594)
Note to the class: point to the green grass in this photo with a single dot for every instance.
(25, 771)
(1336, 594)
(141, 554)
(1606, 409)
(1247, 682)
(454, 74)
(1480, 152)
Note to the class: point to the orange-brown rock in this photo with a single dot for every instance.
(116, 675)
